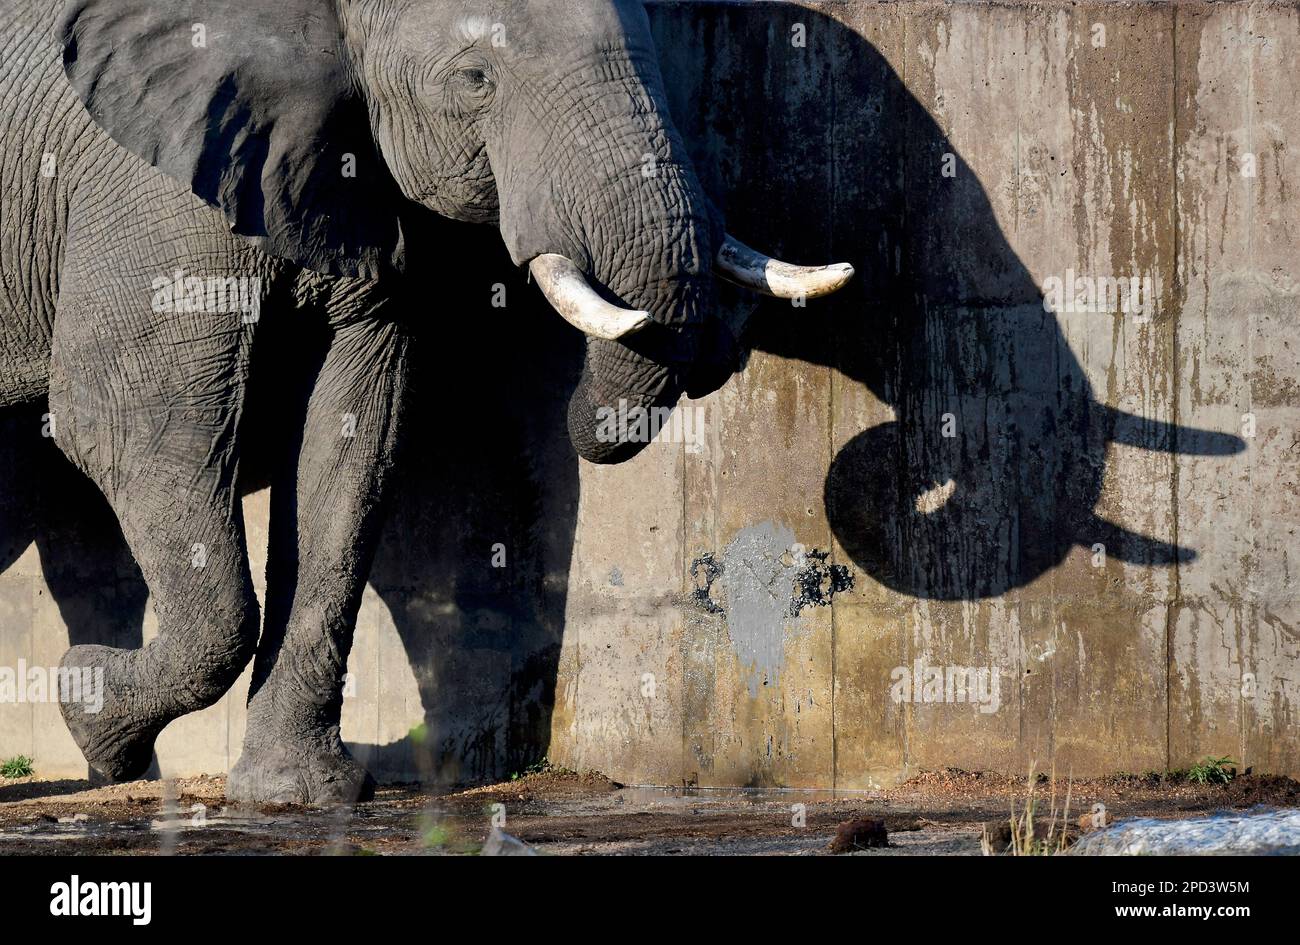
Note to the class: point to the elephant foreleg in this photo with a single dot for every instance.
(147, 404)
(326, 514)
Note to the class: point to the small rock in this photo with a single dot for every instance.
(500, 843)
(860, 834)
(999, 834)
(1102, 818)
(74, 819)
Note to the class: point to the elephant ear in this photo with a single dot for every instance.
(252, 106)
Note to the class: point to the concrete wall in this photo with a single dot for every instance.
(1097, 508)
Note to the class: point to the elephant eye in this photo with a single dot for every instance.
(474, 79)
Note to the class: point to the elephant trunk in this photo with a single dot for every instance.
(613, 224)
(629, 384)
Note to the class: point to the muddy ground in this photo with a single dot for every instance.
(939, 813)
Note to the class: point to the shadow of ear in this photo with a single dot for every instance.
(1131, 547)
(1149, 434)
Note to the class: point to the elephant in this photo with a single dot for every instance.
(199, 193)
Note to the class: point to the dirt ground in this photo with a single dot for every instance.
(937, 813)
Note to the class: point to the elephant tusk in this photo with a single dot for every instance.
(750, 269)
(567, 289)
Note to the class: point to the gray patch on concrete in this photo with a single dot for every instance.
(616, 577)
(758, 584)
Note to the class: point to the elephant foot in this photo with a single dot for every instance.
(285, 773)
(116, 738)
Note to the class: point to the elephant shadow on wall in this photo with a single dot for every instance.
(990, 471)
(84, 561)
(473, 567)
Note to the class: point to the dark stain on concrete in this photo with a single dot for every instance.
(704, 571)
(817, 582)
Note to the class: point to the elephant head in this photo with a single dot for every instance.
(312, 124)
